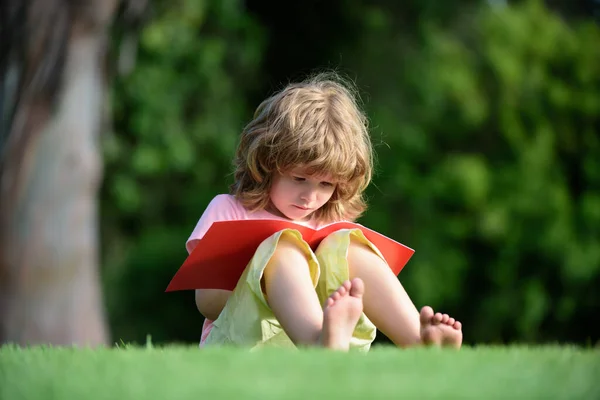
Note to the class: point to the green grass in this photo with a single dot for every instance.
(191, 373)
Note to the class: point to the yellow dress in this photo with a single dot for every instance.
(247, 320)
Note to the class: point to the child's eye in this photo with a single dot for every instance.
(327, 184)
(298, 179)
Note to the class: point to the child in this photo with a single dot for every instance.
(307, 157)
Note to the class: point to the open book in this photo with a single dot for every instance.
(220, 257)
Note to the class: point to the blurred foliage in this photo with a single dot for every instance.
(485, 121)
(491, 169)
(176, 120)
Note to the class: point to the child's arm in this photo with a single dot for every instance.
(210, 302)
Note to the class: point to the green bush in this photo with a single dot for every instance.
(485, 123)
(177, 118)
(491, 170)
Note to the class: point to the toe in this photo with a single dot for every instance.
(437, 318)
(445, 318)
(426, 315)
(457, 325)
(451, 321)
(358, 288)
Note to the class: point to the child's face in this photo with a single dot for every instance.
(296, 195)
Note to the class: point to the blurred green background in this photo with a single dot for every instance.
(485, 116)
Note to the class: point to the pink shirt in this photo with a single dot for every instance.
(225, 207)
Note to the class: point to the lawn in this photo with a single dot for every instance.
(190, 373)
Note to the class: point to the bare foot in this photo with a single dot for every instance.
(341, 313)
(440, 329)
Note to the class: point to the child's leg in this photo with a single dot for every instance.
(290, 292)
(291, 295)
(275, 303)
(388, 306)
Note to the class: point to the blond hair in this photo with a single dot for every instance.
(315, 124)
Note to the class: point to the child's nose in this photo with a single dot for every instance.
(309, 195)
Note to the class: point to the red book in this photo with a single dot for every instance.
(220, 257)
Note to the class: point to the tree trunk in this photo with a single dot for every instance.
(52, 97)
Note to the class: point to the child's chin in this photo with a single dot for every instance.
(299, 216)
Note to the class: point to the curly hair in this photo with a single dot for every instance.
(317, 125)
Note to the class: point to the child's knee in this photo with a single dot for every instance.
(289, 255)
(343, 241)
(350, 244)
(288, 247)
(358, 247)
